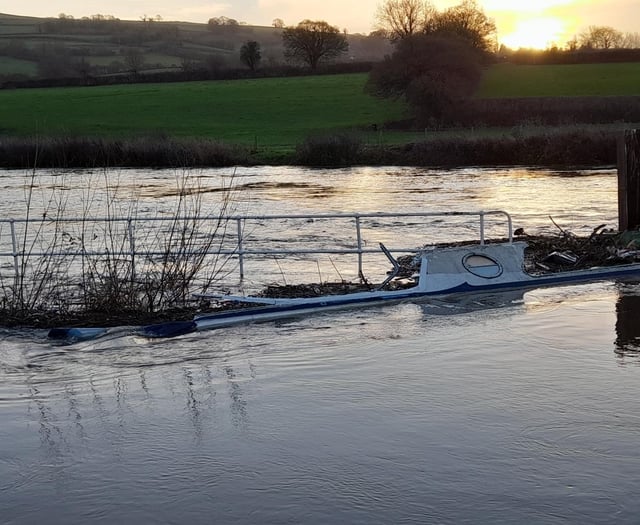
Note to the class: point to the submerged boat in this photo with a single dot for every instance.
(442, 271)
(431, 271)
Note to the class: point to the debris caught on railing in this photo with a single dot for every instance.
(544, 254)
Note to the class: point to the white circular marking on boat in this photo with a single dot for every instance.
(482, 265)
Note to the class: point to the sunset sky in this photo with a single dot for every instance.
(526, 23)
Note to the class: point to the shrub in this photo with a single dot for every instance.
(547, 110)
(432, 73)
(331, 150)
(88, 152)
(109, 264)
(568, 148)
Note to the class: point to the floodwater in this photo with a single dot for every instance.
(502, 408)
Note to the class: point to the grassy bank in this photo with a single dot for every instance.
(566, 146)
(277, 120)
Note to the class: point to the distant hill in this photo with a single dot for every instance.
(63, 47)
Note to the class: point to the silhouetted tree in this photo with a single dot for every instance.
(278, 23)
(601, 37)
(222, 22)
(466, 21)
(250, 54)
(572, 44)
(399, 19)
(631, 40)
(311, 42)
(432, 73)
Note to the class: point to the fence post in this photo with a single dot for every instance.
(359, 241)
(629, 180)
(240, 248)
(132, 249)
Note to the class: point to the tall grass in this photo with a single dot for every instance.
(567, 148)
(329, 150)
(530, 142)
(111, 264)
(90, 152)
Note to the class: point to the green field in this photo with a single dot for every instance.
(269, 112)
(275, 113)
(508, 80)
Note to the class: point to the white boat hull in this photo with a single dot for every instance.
(465, 270)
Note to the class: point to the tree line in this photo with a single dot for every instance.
(311, 43)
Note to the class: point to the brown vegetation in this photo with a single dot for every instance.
(101, 268)
(569, 149)
(576, 147)
(549, 111)
(87, 152)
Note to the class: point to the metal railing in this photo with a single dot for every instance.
(136, 237)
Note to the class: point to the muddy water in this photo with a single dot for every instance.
(504, 408)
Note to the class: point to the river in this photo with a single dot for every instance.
(505, 408)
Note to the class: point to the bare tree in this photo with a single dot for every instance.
(250, 54)
(572, 44)
(134, 61)
(402, 18)
(601, 37)
(278, 23)
(311, 42)
(469, 22)
(433, 73)
(631, 41)
(222, 21)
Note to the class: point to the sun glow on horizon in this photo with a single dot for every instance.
(536, 33)
(537, 6)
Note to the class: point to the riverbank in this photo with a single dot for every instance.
(537, 146)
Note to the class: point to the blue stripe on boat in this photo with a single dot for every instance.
(168, 329)
(76, 334)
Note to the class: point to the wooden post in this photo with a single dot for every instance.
(629, 180)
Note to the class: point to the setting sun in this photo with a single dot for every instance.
(536, 33)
